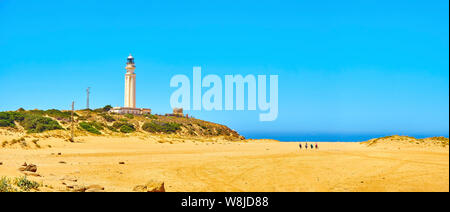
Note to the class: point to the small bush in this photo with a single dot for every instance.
(38, 124)
(127, 129)
(156, 126)
(60, 115)
(107, 108)
(97, 125)
(150, 116)
(112, 128)
(6, 123)
(108, 118)
(25, 184)
(124, 127)
(129, 116)
(33, 122)
(88, 127)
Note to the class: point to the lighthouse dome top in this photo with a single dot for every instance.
(130, 57)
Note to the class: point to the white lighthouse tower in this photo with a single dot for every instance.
(130, 92)
(130, 83)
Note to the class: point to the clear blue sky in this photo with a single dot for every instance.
(344, 66)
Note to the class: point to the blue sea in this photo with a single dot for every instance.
(331, 137)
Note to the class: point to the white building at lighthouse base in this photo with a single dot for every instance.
(130, 110)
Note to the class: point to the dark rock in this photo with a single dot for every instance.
(31, 168)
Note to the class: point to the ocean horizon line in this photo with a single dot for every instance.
(330, 137)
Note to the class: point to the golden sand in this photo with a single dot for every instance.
(231, 166)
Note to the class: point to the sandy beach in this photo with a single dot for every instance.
(232, 166)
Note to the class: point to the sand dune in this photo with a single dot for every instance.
(231, 166)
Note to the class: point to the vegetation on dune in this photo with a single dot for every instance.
(97, 125)
(107, 117)
(100, 121)
(57, 114)
(111, 128)
(443, 141)
(127, 129)
(124, 127)
(103, 109)
(17, 184)
(38, 124)
(33, 121)
(88, 126)
(25, 184)
(156, 126)
(151, 116)
(6, 185)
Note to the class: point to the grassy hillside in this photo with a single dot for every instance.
(100, 122)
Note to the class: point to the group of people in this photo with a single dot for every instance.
(306, 146)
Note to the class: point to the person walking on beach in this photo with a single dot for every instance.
(306, 145)
(317, 147)
(300, 145)
(312, 147)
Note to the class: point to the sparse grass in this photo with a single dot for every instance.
(35, 141)
(6, 185)
(129, 116)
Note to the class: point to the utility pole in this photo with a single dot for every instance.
(71, 119)
(87, 102)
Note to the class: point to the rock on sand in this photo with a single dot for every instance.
(150, 186)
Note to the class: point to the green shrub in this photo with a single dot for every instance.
(108, 118)
(25, 184)
(88, 127)
(60, 115)
(107, 108)
(32, 122)
(112, 128)
(127, 129)
(97, 125)
(38, 124)
(57, 114)
(129, 116)
(150, 116)
(7, 118)
(124, 127)
(156, 126)
(6, 123)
